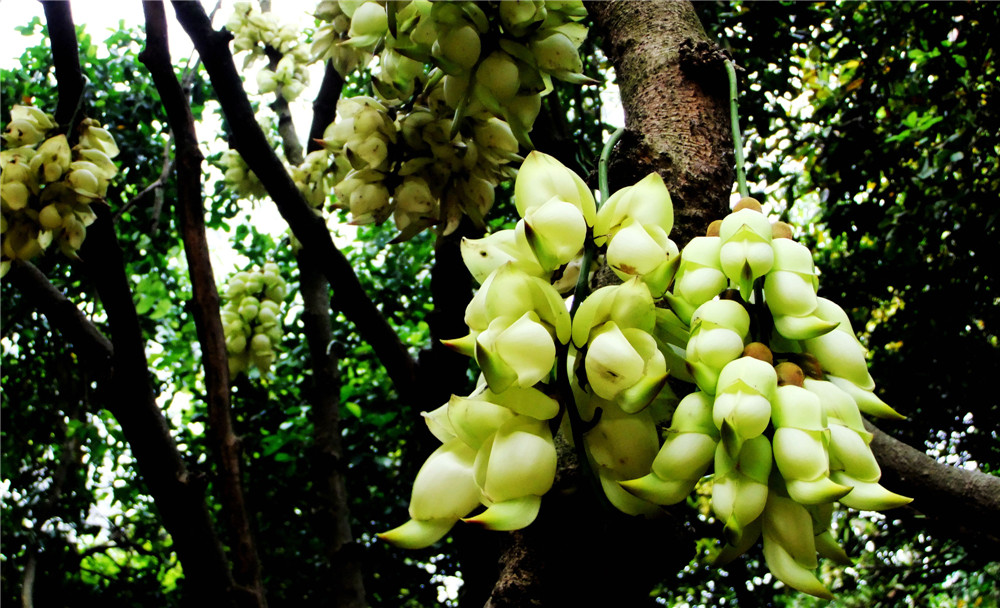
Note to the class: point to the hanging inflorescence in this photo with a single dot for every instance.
(778, 379)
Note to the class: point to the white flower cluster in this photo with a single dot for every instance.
(775, 411)
(251, 318)
(254, 31)
(46, 188)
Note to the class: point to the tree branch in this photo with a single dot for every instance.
(959, 502)
(157, 186)
(156, 58)
(308, 227)
(179, 498)
(325, 105)
(66, 59)
(133, 404)
(345, 585)
(93, 349)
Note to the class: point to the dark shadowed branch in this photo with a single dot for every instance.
(190, 209)
(248, 139)
(92, 348)
(344, 585)
(66, 59)
(179, 497)
(959, 502)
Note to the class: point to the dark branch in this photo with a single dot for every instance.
(344, 586)
(132, 402)
(156, 58)
(93, 349)
(66, 59)
(958, 502)
(325, 105)
(309, 228)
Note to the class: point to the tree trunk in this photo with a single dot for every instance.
(674, 92)
(579, 551)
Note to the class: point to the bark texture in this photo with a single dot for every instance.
(677, 117)
(206, 306)
(953, 501)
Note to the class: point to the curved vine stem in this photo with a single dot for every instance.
(602, 164)
(734, 113)
(583, 283)
(579, 426)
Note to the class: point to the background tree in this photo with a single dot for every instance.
(885, 121)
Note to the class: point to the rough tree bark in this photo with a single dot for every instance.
(579, 552)
(677, 117)
(206, 306)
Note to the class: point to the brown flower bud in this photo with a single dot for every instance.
(748, 203)
(789, 373)
(759, 350)
(781, 230)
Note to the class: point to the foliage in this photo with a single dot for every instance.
(102, 539)
(870, 121)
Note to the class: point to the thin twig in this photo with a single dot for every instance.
(160, 181)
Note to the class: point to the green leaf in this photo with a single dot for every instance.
(161, 310)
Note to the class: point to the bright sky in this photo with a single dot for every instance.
(93, 14)
(101, 16)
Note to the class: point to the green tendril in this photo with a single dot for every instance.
(734, 114)
(583, 283)
(602, 164)
(578, 426)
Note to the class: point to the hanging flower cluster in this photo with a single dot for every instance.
(778, 379)
(455, 91)
(47, 188)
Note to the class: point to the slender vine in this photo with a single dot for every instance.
(734, 113)
(583, 283)
(577, 425)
